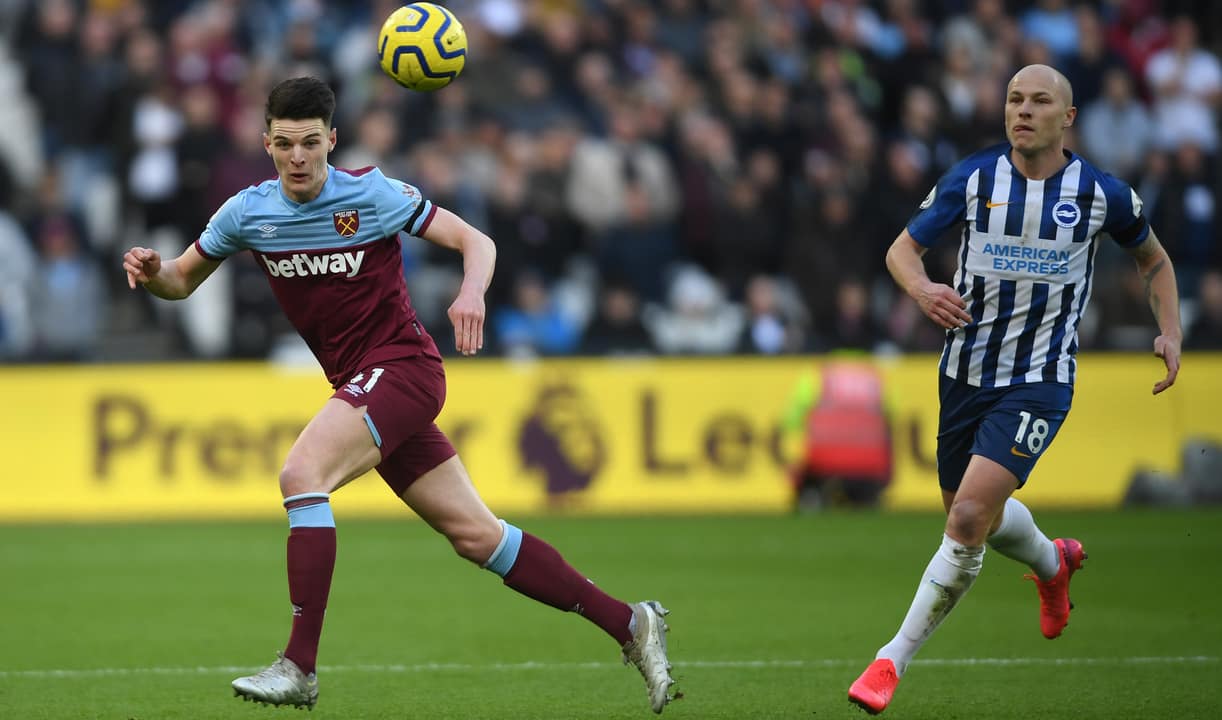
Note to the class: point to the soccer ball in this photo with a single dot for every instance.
(422, 46)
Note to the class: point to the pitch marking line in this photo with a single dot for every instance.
(681, 664)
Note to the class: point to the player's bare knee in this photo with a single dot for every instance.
(475, 543)
(297, 478)
(968, 521)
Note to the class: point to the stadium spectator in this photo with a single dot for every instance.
(697, 320)
(776, 319)
(552, 237)
(623, 192)
(1186, 81)
(958, 83)
(1188, 207)
(1052, 24)
(981, 128)
(1205, 333)
(826, 247)
(851, 325)
(534, 324)
(536, 106)
(919, 129)
(980, 31)
(526, 213)
(1088, 66)
(17, 272)
(48, 50)
(748, 209)
(904, 182)
(377, 138)
(1137, 30)
(683, 25)
(68, 300)
(86, 158)
(617, 329)
(1117, 131)
(706, 163)
(198, 150)
(152, 175)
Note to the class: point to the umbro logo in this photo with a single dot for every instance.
(267, 230)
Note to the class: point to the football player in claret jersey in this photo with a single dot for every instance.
(1031, 215)
(328, 240)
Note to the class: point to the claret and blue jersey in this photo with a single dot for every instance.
(1026, 258)
(334, 263)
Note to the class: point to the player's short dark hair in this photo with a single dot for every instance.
(300, 98)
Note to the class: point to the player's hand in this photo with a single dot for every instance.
(467, 315)
(1167, 348)
(943, 305)
(141, 264)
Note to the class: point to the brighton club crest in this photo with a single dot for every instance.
(346, 222)
(1066, 213)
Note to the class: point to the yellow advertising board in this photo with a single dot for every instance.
(582, 436)
(1114, 428)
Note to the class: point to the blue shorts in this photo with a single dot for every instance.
(1012, 426)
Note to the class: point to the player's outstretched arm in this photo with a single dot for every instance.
(939, 302)
(479, 259)
(1154, 266)
(167, 279)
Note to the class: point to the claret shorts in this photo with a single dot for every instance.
(402, 398)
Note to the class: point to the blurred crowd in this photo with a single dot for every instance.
(667, 177)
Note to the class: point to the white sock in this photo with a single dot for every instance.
(947, 578)
(1019, 539)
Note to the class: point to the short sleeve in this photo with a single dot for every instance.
(1125, 221)
(221, 236)
(400, 206)
(943, 208)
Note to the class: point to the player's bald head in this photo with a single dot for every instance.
(1047, 78)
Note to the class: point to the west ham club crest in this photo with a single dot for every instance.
(346, 222)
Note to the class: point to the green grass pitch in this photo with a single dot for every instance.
(771, 618)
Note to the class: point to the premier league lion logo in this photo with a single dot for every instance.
(562, 440)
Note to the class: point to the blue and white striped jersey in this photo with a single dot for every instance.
(1026, 258)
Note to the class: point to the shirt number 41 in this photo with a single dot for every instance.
(374, 374)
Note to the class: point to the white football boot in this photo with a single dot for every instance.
(282, 683)
(647, 651)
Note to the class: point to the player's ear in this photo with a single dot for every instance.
(331, 139)
(1070, 114)
(267, 144)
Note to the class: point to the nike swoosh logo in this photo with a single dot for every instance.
(991, 204)
(1016, 451)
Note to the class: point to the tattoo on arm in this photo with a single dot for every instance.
(1149, 276)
